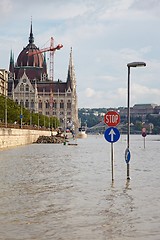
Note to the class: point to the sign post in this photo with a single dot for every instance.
(112, 162)
(111, 134)
(144, 134)
(21, 117)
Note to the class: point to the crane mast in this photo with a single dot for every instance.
(52, 60)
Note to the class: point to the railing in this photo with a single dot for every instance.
(18, 126)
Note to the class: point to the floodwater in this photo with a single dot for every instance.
(65, 192)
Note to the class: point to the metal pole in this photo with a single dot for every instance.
(112, 162)
(6, 111)
(21, 114)
(38, 121)
(129, 65)
(30, 118)
(44, 122)
(128, 119)
(49, 122)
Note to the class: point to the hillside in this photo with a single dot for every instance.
(95, 116)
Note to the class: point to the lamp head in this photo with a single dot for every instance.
(136, 64)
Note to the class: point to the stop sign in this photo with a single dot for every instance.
(112, 118)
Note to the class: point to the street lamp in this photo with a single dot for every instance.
(6, 111)
(127, 153)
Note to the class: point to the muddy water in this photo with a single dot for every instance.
(63, 192)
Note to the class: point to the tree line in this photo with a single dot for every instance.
(16, 114)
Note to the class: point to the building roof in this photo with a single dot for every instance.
(147, 105)
(52, 86)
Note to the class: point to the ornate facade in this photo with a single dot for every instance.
(3, 82)
(30, 86)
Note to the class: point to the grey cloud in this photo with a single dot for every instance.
(146, 5)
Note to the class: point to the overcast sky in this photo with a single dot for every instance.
(105, 35)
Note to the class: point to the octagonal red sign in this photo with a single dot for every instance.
(112, 118)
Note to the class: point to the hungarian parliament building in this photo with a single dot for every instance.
(30, 86)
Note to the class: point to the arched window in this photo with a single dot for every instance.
(61, 104)
(26, 103)
(32, 104)
(22, 87)
(54, 104)
(69, 104)
(40, 104)
(47, 104)
(27, 88)
(22, 103)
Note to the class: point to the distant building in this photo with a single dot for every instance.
(139, 110)
(30, 86)
(3, 82)
(143, 109)
(157, 110)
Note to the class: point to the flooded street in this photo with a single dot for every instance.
(65, 192)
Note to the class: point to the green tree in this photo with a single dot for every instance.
(14, 112)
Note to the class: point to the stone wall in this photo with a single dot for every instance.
(11, 137)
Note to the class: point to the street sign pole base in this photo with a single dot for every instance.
(112, 162)
(128, 177)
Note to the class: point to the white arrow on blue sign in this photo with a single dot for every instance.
(112, 134)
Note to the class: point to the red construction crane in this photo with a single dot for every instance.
(52, 50)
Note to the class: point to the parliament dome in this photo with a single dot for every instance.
(26, 59)
(31, 61)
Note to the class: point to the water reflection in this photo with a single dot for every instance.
(118, 213)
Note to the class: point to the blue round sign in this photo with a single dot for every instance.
(127, 155)
(112, 134)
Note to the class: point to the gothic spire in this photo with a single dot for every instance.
(44, 64)
(71, 73)
(11, 57)
(31, 38)
(71, 59)
(11, 65)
